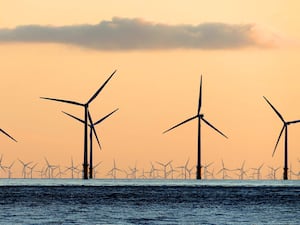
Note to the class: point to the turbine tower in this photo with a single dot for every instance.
(200, 118)
(86, 107)
(92, 130)
(284, 128)
(7, 135)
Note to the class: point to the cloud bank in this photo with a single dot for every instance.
(136, 34)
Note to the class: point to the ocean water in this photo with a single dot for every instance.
(104, 201)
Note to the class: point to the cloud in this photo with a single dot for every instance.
(134, 34)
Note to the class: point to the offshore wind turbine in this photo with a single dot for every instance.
(72, 168)
(86, 107)
(25, 165)
(7, 135)
(9, 173)
(92, 130)
(165, 167)
(284, 128)
(200, 118)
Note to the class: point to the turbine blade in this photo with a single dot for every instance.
(62, 100)
(261, 166)
(93, 129)
(159, 163)
(74, 117)
(200, 96)
(108, 115)
(100, 89)
(209, 124)
(206, 166)
(8, 135)
(294, 121)
(275, 110)
(278, 139)
(177, 125)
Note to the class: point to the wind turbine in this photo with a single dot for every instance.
(165, 167)
(200, 118)
(113, 171)
(86, 107)
(72, 168)
(223, 170)
(171, 171)
(50, 168)
(242, 171)
(25, 165)
(1, 166)
(273, 171)
(7, 135)
(9, 173)
(258, 173)
(152, 171)
(31, 169)
(284, 128)
(206, 169)
(92, 130)
(94, 169)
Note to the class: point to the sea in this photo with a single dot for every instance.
(157, 202)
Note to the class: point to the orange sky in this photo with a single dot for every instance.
(154, 89)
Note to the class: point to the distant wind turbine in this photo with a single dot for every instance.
(72, 168)
(206, 169)
(242, 171)
(31, 169)
(7, 135)
(92, 130)
(113, 171)
(258, 173)
(165, 167)
(9, 173)
(25, 165)
(284, 128)
(50, 168)
(86, 107)
(2, 166)
(223, 170)
(273, 171)
(200, 118)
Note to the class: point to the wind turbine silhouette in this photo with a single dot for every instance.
(242, 171)
(86, 107)
(206, 169)
(9, 173)
(2, 166)
(49, 168)
(92, 130)
(258, 171)
(113, 171)
(284, 128)
(200, 118)
(31, 169)
(224, 171)
(7, 135)
(165, 167)
(25, 165)
(72, 168)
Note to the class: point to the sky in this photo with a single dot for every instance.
(244, 50)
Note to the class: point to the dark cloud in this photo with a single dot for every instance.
(132, 34)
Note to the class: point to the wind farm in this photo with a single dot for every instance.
(162, 170)
(153, 112)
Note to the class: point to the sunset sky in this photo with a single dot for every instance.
(66, 49)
